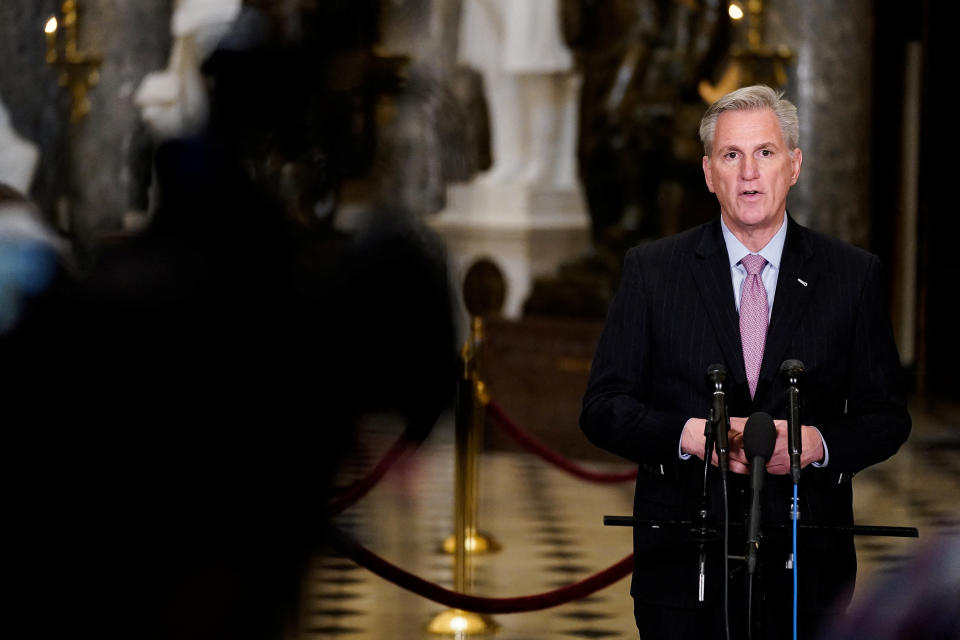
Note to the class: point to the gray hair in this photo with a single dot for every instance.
(758, 96)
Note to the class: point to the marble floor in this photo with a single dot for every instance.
(549, 526)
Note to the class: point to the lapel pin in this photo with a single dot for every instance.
(801, 282)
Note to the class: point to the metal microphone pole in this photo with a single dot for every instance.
(759, 439)
(708, 435)
(716, 377)
(791, 371)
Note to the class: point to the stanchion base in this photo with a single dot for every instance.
(478, 543)
(459, 624)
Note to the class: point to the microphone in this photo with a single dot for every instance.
(717, 376)
(791, 371)
(759, 438)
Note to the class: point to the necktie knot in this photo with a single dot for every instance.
(753, 263)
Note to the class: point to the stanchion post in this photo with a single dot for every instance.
(466, 540)
(462, 522)
(477, 541)
(470, 422)
(483, 294)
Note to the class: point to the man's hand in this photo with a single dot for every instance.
(779, 462)
(692, 441)
(738, 459)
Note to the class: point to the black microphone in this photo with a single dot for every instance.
(717, 376)
(759, 438)
(791, 371)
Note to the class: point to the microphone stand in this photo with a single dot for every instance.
(791, 370)
(704, 509)
(759, 441)
(715, 431)
(855, 529)
(720, 419)
(740, 527)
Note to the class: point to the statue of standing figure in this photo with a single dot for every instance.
(18, 157)
(530, 88)
(641, 61)
(174, 102)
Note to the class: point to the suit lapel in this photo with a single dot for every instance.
(711, 272)
(795, 282)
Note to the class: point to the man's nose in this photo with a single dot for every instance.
(749, 168)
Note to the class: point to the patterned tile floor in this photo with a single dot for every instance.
(550, 527)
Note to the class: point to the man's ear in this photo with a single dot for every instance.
(706, 173)
(796, 161)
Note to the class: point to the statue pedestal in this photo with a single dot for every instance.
(527, 231)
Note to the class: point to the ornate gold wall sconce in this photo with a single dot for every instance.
(79, 70)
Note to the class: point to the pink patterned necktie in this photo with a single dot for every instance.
(753, 318)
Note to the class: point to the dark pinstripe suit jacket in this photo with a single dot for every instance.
(673, 316)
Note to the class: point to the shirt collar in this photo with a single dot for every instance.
(772, 252)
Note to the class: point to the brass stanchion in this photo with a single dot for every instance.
(466, 540)
(471, 400)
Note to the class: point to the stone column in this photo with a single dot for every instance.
(109, 147)
(830, 82)
(29, 90)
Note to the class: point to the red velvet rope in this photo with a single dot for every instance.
(349, 495)
(477, 604)
(529, 442)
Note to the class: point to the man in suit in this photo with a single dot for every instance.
(698, 298)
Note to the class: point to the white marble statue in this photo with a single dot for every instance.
(173, 102)
(530, 88)
(18, 157)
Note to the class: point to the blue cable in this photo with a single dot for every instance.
(795, 518)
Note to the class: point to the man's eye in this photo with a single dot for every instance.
(766, 153)
(730, 155)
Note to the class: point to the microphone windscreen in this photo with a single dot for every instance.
(791, 368)
(716, 373)
(759, 436)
